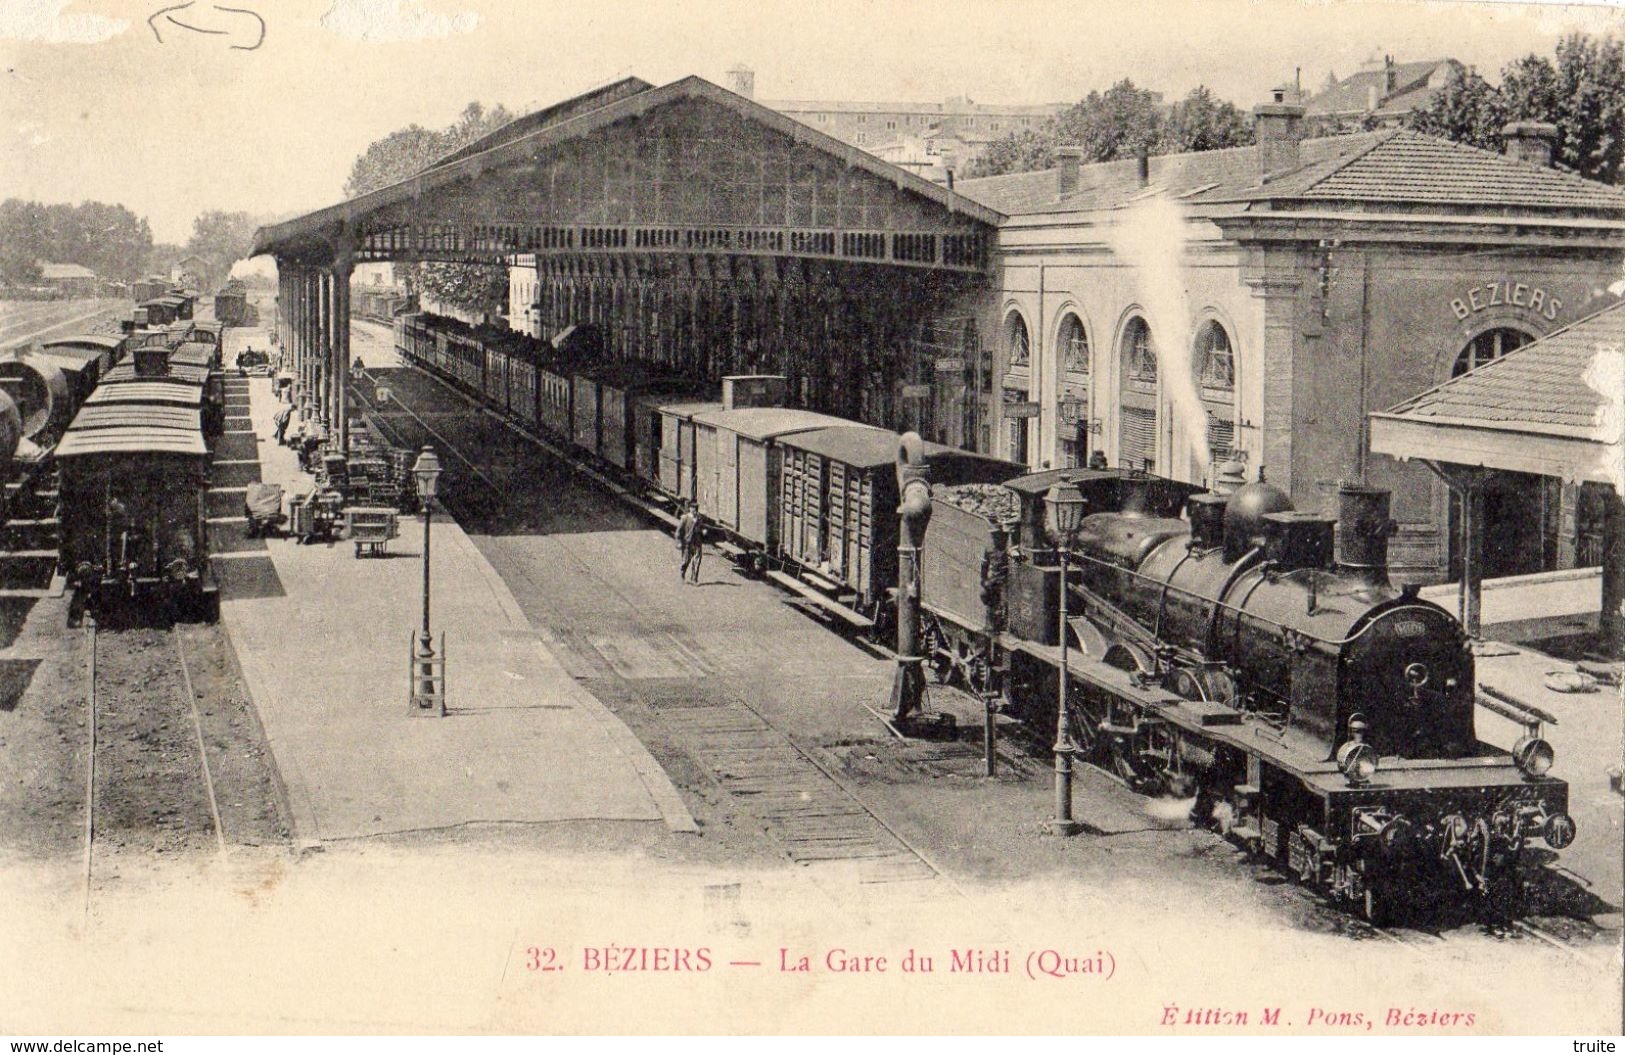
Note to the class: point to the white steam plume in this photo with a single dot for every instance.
(1150, 238)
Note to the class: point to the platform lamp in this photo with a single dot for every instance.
(429, 691)
(1063, 505)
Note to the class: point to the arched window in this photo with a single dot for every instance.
(1074, 346)
(1016, 340)
(1491, 344)
(1139, 355)
(1215, 361)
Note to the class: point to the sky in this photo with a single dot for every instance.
(210, 106)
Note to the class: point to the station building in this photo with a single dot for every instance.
(1173, 312)
(1258, 303)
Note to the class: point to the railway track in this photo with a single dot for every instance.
(149, 784)
(815, 818)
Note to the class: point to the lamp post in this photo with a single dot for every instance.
(1064, 507)
(426, 473)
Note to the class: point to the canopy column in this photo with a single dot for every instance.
(1467, 484)
(343, 269)
(324, 343)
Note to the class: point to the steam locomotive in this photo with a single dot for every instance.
(1321, 717)
(1216, 649)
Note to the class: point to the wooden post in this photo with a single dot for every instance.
(1613, 574)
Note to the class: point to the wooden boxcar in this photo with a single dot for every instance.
(628, 439)
(134, 523)
(737, 468)
(665, 455)
(838, 502)
(106, 348)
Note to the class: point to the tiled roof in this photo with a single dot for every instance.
(1200, 176)
(1353, 94)
(1408, 166)
(1539, 388)
(1394, 166)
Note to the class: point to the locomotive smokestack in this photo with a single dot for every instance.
(1363, 527)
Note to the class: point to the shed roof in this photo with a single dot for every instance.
(59, 272)
(1554, 407)
(576, 122)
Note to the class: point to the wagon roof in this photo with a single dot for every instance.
(864, 446)
(685, 409)
(98, 340)
(71, 360)
(193, 353)
(179, 373)
(151, 415)
(760, 423)
(147, 392)
(131, 439)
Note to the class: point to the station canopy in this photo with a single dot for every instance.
(687, 168)
(1555, 407)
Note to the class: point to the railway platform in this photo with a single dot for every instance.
(323, 642)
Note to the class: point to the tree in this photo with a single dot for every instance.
(25, 240)
(1582, 93)
(1119, 123)
(1025, 150)
(408, 151)
(1468, 109)
(1201, 122)
(109, 239)
(222, 238)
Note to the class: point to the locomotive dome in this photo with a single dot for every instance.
(1245, 511)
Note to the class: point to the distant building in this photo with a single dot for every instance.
(191, 271)
(69, 280)
(951, 134)
(1381, 95)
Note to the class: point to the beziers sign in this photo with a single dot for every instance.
(1504, 294)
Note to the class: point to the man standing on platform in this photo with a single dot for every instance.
(688, 538)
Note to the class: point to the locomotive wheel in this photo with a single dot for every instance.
(1376, 904)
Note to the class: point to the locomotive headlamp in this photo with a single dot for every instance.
(1533, 755)
(1559, 831)
(1356, 759)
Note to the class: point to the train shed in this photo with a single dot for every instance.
(697, 231)
(1553, 408)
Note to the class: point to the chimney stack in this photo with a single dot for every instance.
(1531, 141)
(742, 80)
(1279, 126)
(1070, 159)
(1390, 78)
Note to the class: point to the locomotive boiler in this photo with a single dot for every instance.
(1331, 713)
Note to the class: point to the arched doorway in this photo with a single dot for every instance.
(1137, 427)
(1017, 385)
(1076, 411)
(1522, 511)
(1215, 370)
